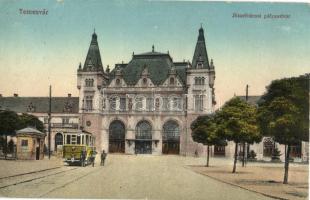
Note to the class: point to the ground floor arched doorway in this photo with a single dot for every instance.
(171, 138)
(143, 142)
(117, 137)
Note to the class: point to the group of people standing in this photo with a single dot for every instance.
(92, 157)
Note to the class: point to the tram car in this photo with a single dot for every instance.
(74, 144)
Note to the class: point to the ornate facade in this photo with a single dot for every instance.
(145, 106)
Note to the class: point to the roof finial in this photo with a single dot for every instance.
(153, 48)
(94, 30)
(200, 25)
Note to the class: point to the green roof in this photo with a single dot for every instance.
(158, 66)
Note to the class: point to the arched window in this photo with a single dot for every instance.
(58, 140)
(268, 146)
(171, 131)
(203, 81)
(144, 130)
(171, 138)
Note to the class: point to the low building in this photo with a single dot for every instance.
(30, 144)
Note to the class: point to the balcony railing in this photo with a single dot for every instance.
(65, 125)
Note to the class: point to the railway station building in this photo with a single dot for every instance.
(144, 106)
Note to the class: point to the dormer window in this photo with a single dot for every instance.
(144, 81)
(118, 82)
(172, 81)
(199, 66)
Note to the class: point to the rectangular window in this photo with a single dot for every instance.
(65, 120)
(89, 103)
(73, 139)
(165, 103)
(24, 143)
(78, 139)
(139, 103)
(68, 139)
(150, 104)
(123, 104)
(198, 102)
(45, 120)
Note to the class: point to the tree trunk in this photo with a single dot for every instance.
(286, 165)
(235, 158)
(5, 147)
(243, 155)
(208, 155)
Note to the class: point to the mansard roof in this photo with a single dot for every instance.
(40, 104)
(93, 58)
(157, 64)
(200, 54)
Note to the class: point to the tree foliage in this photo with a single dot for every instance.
(284, 110)
(204, 131)
(284, 113)
(9, 122)
(237, 122)
(27, 120)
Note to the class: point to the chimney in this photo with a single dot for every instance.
(69, 95)
(15, 95)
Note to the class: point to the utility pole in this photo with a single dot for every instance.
(49, 123)
(244, 144)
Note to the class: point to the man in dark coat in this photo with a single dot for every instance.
(103, 157)
(83, 157)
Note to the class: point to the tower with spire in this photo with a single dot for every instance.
(91, 79)
(200, 80)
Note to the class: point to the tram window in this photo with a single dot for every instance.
(78, 139)
(87, 140)
(68, 139)
(73, 139)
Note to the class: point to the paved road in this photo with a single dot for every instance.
(130, 177)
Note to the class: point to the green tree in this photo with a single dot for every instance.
(284, 113)
(204, 130)
(9, 123)
(237, 123)
(27, 120)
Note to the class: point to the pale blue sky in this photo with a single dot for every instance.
(38, 50)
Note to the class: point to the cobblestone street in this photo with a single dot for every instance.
(123, 177)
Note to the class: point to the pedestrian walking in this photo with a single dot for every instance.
(83, 157)
(103, 157)
(93, 157)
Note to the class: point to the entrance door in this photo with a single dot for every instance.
(143, 147)
(117, 137)
(37, 153)
(143, 143)
(171, 138)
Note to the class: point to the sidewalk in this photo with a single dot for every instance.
(263, 179)
(14, 167)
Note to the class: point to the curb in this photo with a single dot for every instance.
(229, 183)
